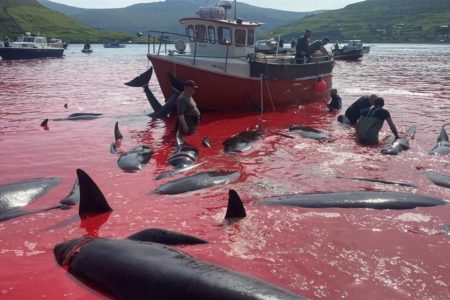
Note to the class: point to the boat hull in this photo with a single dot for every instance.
(348, 55)
(30, 53)
(223, 91)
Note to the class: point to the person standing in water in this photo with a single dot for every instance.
(335, 102)
(187, 111)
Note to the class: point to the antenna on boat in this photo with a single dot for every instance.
(226, 5)
(235, 9)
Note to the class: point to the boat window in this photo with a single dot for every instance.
(190, 33)
(239, 37)
(200, 32)
(251, 37)
(212, 34)
(224, 35)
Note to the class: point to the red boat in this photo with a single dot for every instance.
(219, 55)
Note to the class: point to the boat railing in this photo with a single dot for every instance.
(160, 40)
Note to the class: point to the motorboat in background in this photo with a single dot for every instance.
(57, 43)
(351, 50)
(114, 44)
(29, 46)
(218, 53)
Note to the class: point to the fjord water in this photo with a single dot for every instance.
(318, 253)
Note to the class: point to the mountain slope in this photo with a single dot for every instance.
(377, 21)
(19, 16)
(164, 15)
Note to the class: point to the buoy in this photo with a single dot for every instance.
(320, 85)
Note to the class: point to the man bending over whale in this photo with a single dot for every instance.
(187, 111)
(371, 122)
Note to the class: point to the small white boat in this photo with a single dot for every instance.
(29, 46)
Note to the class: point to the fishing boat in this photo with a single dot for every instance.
(29, 46)
(351, 50)
(114, 44)
(218, 53)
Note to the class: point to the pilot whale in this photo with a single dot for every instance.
(74, 117)
(132, 160)
(438, 179)
(242, 141)
(309, 132)
(143, 266)
(159, 111)
(142, 269)
(356, 199)
(443, 144)
(395, 146)
(197, 181)
(84, 192)
(184, 154)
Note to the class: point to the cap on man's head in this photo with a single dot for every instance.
(191, 83)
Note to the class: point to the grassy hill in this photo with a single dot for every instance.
(164, 15)
(19, 16)
(378, 21)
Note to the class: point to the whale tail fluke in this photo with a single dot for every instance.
(166, 237)
(177, 85)
(235, 207)
(141, 80)
(92, 200)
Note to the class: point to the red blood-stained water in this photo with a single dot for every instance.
(318, 253)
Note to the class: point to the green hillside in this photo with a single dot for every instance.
(19, 16)
(378, 21)
(164, 15)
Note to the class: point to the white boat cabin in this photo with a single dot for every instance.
(30, 41)
(211, 34)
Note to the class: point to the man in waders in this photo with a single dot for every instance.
(371, 122)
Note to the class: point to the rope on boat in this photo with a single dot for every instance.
(270, 95)
(262, 98)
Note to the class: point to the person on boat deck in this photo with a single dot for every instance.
(187, 111)
(301, 47)
(318, 45)
(6, 42)
(353, 112)
(371, 122)
(335, 102)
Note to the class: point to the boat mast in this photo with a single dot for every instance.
(235, 10)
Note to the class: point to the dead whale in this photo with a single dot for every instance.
(395, 146)
(356, 199)
(309, 132)
(197, 181)
(132, 160)
(184, 154)
(242, 141)
(443, 144)
(438, 179)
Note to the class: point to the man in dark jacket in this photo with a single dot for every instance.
(353, 112)
(301, 48)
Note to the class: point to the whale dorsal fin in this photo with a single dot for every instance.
(117, 134)
(44, 123)
(92, 200)
(235, 207)
(443, 137)
(166, 237)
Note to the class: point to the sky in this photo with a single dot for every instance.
(290, 5)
